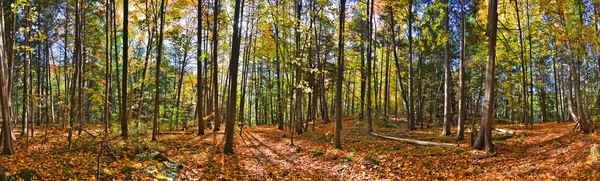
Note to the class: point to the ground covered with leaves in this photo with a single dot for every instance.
(548, 151)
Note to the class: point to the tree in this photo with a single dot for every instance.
(233, 72)
(199, 88)
(410, 113)
(76, 73)
(523, 69)
(447, 73)
(215, 64)
(399, 84)
(460, 134)
(369, 57)
(149, 46)
(5, 101)
(108, 66)
(157, 75)
(484, 139)
(339, 77)
(124, 112)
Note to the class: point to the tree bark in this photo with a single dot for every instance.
(447, 73)
(410, 113)
(460, 134)
(200, 83)
(484, 139)
(369, 58)
(233, 72)
(339, 77)
(124, 109)
(5, 101)
(523, 69)
(215, 39)
(155, 123)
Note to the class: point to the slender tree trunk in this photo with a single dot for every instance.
(200, 84)
(386, 94)
(399, 83)
(523, 69)
(298, 91)
(107, 116)
(76, 61)
(447, 73)
(215, 39)
(149, 47)
(124, 109)
(340, 77)
(557, 100)
(410, 120)
(531, 118)
(462, 117)
(369, 58)
(179, 84)
(26, 77)
(155, 123)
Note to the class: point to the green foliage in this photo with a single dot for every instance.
(317, 153)
(373, 160)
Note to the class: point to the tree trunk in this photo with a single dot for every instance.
(484, 139)
(460, 134)
(339, 77)
(200, 83)
(4, 89)
(369, 58)
(155, 123)
(233, 72)
(523, 69)
(298, 91)
(447, 73)
(124, 109)
(76, 61)
(399, 84)
(179, 84)
(410, 113)
(215, 39)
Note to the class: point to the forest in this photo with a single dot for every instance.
(299, 89)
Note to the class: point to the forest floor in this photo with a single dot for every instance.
(548, 151)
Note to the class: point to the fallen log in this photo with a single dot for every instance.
(507, 132)
(175, 133)
(418, 142)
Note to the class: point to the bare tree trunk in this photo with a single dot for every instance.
(484, 140)
(155, 123)
(298, 91)
(5, 102)
(369, 58)
(447, 73)
(410, 120)
(399, 83)
(523, 69)
(200, 82)
(107, 75)
(233, 72)
(215, 39)
(559, 115)
(76, 62)
(179, 84)
(124, 109)
(460, 134)
(340, 77)
(149, 47)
